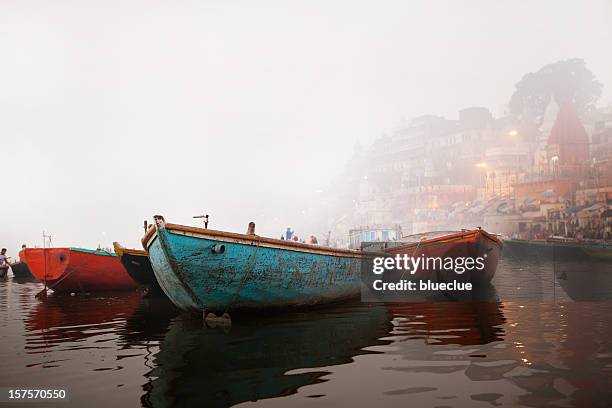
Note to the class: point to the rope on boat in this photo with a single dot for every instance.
(412, 256)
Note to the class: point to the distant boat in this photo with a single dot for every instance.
(598, 251)
(454, 245)
(585, 280)
(581, 268)
(22, 272)
(77, 270)
(559, 249)
(136, 263)
(203, 269)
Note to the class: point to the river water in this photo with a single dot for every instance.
(531, 344)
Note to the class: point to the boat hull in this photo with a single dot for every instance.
(467, 244)
(588, 280)
(138, 266)
(603, 252)
(251, 272)
(544, 250)
(21, 271)
(67, 270)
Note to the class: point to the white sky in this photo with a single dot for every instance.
(112, 111)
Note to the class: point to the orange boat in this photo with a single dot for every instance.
(77, 270)
(453, 248)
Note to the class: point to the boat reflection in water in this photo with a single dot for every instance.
(200, 366)
(127, 350)
(275, 356)
(150, 320)
(459, 323)
(63, 319)
(421, 361)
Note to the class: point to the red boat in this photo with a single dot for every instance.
(77, 270)
(453, 248)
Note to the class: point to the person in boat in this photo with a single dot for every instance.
(295, 238)
(288, 234)
(313, 240)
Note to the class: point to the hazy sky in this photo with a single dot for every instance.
(112, 111)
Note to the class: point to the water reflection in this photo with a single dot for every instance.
(150, 320)
(585, 281)
(459, 323)
(564, 351)
(551, 272)
(202, 366)
(126, 349)
(62, 320)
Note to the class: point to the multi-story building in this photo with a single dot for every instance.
(435, 173)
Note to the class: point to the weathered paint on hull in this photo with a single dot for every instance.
(248, 274)
(77, 270)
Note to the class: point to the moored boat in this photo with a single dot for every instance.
(455, 249)
(204, 269)
(77, 270)
(136, 263)
(599, 251)
(559, 249)
(21, 271)
(585, 280)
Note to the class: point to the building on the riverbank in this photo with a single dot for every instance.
(512, 176)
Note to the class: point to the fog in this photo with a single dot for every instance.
(111, 112)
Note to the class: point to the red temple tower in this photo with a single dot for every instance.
(568, 143)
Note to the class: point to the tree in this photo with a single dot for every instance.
(569, 79)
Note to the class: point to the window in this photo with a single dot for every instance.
(385, 235)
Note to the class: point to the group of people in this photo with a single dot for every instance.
(290, 235)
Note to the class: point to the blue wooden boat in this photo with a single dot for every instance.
(203, 269)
